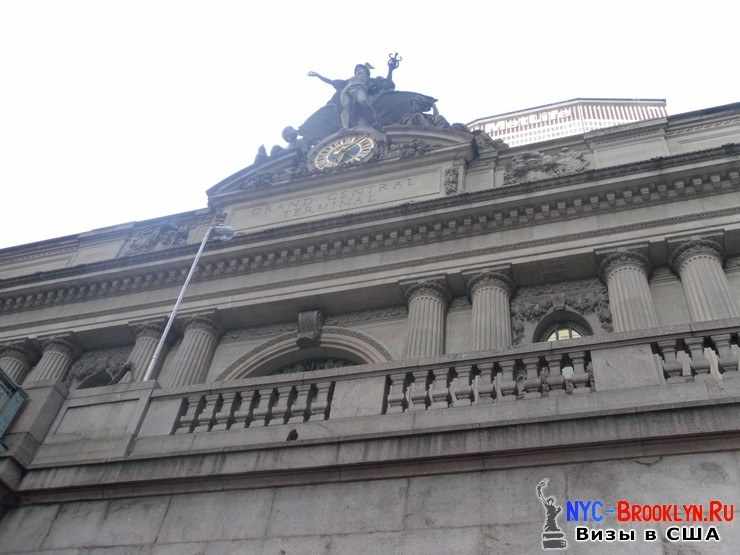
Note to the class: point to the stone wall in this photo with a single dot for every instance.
(494, 511)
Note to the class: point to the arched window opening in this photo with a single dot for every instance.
(561, 325)
(564, 331)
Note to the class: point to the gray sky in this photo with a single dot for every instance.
(113, 111)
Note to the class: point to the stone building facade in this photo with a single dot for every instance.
(392, 353)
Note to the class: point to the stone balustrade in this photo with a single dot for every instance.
(495, 379)
(539, 371)
(254, 407)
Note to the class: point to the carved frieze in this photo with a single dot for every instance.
(534, 165)
(235, 336)
(310, 323)
(484, 220)
(452, 180)
(100, 360)
(391, 313)
(582, 297)
(165, 235)
(312, 364)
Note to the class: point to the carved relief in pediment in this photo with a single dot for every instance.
(534, 165)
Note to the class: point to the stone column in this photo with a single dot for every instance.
(698, 262)
(195, 352)
(427, 302)
(59, 352)
(490, 292)
(17, 358)
(625, 272)
(147, 336)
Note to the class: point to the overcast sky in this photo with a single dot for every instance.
(118, 111)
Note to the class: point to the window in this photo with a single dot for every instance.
(561, 325)
(564, 331)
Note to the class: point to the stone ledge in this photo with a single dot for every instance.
(695, 421)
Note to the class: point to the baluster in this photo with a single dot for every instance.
(506, 388)
(461, 390)
(530, 367)
(261, 409)
(483, 383)
(699, 362)
(671, 366)
(243, 404)
(189, 418)
(321, 401)
(396, 393)
(299, 408)
(581, 379)
(554, 378)
(439, 393)
(222, 418)
(735, 348)
(281, 405)
(211, 407)
(544, 380)
(727, 359)
(416, 392)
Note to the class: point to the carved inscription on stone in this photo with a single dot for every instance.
(335, 202)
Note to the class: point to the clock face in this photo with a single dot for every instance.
(347, 150)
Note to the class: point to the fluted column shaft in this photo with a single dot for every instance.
(708, 294)
(195, 352)
(490, 293)
(147, 337)
(427, 304)
(58, 355)
(17, 359)
(630, 300)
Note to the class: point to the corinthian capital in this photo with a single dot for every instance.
(207, 321)
(435, 286)
(499, 277)
(620, 258)
(683, 250)
(28, 351)
(64, 343)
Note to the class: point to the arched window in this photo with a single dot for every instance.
(565, 330)
(561, 325)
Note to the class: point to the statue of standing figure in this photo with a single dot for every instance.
(354, 97)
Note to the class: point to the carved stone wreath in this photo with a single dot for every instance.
(581, 297)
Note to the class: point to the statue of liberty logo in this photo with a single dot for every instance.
(552, 536)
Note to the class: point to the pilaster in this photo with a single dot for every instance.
(625, 271)
(490, 293)
(698, 261)
(195, 352)
(58, 354)
(18, 357)
(147, 335)
(427, 300)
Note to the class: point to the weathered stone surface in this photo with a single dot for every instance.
(338, 508)
(26, 528)
(218, 515)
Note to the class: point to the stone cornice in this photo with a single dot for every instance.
(476, 220)
(707, 183)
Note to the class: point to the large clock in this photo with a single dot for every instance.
(349, 149)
